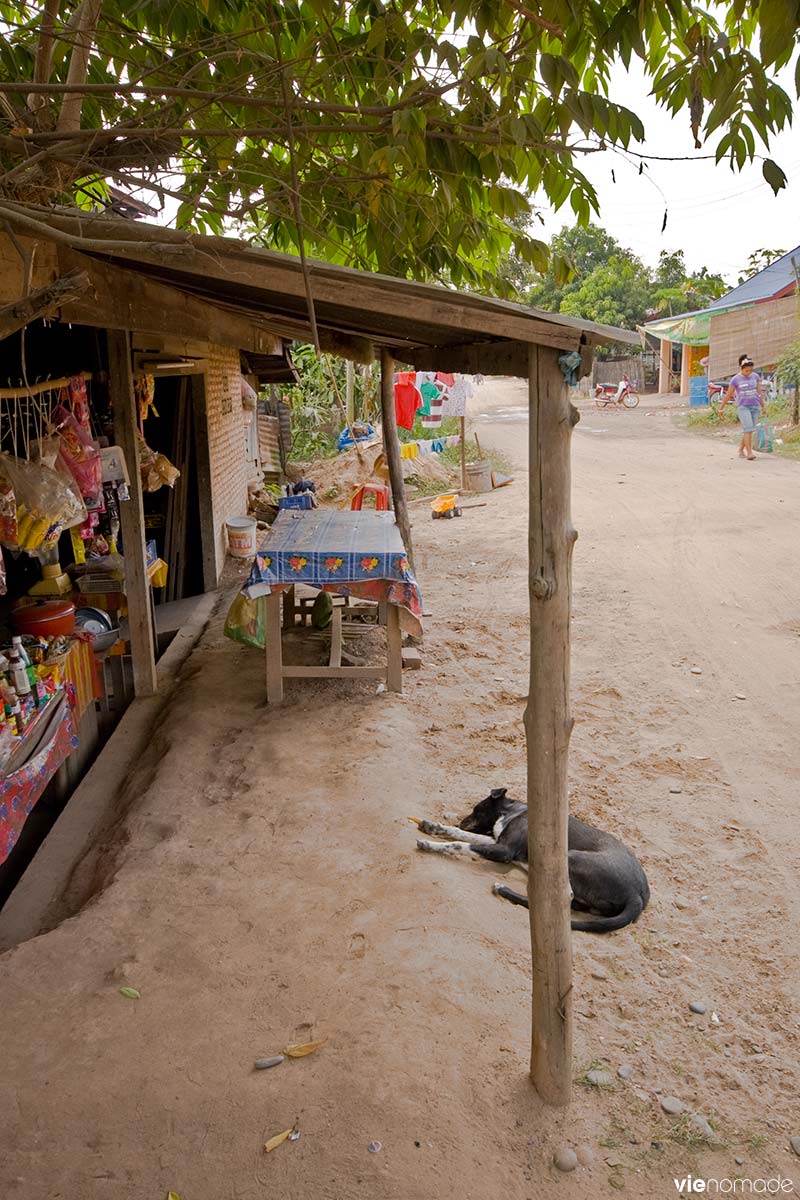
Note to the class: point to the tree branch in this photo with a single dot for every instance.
(44, 52)
(84, 25)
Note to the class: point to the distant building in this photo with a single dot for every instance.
(760, 317)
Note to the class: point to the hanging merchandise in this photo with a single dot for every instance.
(77, 397)
(144, 389)
(3, 588)
(46, 504)
(78, 455)
(156, 468)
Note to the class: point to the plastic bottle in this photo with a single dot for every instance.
(18, 673)
(16, 644)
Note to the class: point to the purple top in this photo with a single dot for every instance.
(745, 389)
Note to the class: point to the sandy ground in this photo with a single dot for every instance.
(262, 884)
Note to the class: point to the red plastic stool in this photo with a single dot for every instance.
(379, 490)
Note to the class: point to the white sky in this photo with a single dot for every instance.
(718, 217)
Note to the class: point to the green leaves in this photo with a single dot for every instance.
(419, 131)
(773, 174)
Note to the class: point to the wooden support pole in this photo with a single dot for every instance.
(463, 454)
(137, 584)
(548, 725)
(391, 448)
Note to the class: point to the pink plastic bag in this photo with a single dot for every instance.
(77, 454)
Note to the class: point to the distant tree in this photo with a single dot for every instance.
(618, 292)
(574, 253)
(676, 290)
(757, 261)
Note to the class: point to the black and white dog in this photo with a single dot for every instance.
(605, 876)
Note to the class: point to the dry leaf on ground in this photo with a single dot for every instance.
(301, 1049)
(276, 1141)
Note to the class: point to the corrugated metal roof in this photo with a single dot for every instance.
(764, 284)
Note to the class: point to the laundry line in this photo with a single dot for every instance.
(429, 446)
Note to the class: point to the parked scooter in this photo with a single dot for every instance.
(616, 393)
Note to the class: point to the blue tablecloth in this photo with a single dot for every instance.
(353, 553)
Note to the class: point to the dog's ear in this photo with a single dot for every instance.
(499, 793)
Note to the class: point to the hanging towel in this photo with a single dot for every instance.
(445, 378)
(409, 450)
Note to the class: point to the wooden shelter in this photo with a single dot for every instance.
(148, 278)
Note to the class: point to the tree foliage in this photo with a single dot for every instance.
(590, 274)
(758, 261)
(406, 136)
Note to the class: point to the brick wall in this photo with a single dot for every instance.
(230, 468)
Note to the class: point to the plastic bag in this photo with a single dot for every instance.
(245, 621)
(156, 469)
(8, 510)
(78, 454)
(47, 502)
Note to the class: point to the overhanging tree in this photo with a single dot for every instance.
(406, 136)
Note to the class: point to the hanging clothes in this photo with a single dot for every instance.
(406, 402)
(429, 393)
(455, 404)
(409, 450)
(445, 378)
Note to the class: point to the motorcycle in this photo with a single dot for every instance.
(622, 393)
(715, 392)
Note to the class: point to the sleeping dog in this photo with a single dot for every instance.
(605, 876)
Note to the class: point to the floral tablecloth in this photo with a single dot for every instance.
(357, 554)
(20, 790)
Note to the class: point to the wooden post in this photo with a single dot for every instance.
(685, 357)
(137, 585)
(664, 365)
(391, 447)
(548, 724)
(463, 454)
(349, 394)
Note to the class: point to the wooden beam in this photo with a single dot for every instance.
(346, 291)
(124, 299)
(42, 302)
(137, 584)
(391, 448)
(548, 725)
(476, 358)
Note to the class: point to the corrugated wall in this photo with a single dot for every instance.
(763, 331)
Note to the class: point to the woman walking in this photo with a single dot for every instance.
(746, 389)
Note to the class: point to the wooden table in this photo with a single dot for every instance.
(358, 555)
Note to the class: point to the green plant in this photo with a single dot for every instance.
(788, 375)
(318, 399)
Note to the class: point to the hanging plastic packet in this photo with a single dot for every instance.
(78, 454)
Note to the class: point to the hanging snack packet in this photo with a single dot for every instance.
(78, 453)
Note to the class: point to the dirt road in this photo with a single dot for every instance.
(262, 885)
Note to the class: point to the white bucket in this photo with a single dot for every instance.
(241, 537)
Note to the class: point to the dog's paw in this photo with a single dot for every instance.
(422, 844)
(426, 827)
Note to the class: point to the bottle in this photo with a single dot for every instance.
(16, 644)
(18, 673)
